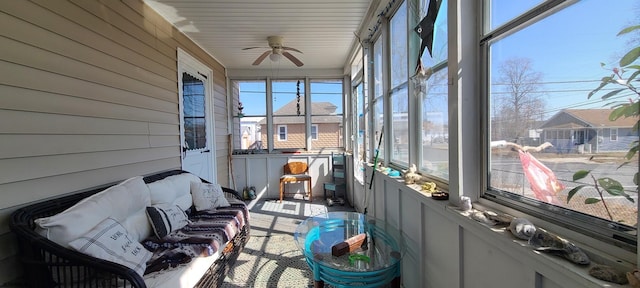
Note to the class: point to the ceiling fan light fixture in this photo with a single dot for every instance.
(275, 57)
(276, 52)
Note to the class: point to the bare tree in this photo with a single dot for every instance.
(518, 101)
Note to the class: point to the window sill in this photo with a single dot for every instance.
(561, 271)
(544, 263)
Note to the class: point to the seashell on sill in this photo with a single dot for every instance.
(499, 218)
(609, 274)
(553, 244)
(522, 228)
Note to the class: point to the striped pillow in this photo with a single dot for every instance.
(110, 241)
(165, 220)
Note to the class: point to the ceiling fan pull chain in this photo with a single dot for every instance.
(298, 96)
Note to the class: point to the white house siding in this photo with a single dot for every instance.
(88, 96)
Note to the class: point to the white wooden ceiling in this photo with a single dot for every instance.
(322, 30)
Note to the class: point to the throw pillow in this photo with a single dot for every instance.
(110, 241)
(166, 220)
(208, 196)
(118, 202)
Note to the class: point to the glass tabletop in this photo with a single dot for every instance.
(370, 244)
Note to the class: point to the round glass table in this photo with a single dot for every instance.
(349, 249)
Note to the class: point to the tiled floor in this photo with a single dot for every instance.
(271, 258)
(270, 216)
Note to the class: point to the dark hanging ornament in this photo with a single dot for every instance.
(298, 97)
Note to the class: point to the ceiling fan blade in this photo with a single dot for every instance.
(292, 58)
(249, 48)
(259, 60)
(291, 49)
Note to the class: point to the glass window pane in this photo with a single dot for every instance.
(326, 111)
(194, 112)
(377, 68)
(282, 133)
(378, 121)
(502, 11)
(288, 110)
(378, 104)
(400, 126)
(399, 46)
(249, 121)
(539, 86)
(359, 148)
(440, 42)
(314, 132)
(435, 125)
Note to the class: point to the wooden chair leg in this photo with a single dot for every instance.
(310, 193)
(281, 190)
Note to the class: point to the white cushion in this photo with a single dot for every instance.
(165, 220)
(208, 196)
(119, 202)
(110, 241)
(183, 275)
(138, 225)
(173, 190)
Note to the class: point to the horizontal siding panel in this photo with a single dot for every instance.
(45, 19)
(20, 53)
(14, 146)
(126, 12)
(89, 21)
(164, 129)
(124, 24)
(42, 123)
(95, 93)
(20, 169)
(164, 141)
(38, 37)
(219, 82)
(26, 192)
(13, 75)
(163, 28)
(38, 101)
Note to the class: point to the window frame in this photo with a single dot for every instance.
(613, 136)
(316, 128)
(597, 230)
(271, 131)
(280, 133)
(342, 115)
(397, 87)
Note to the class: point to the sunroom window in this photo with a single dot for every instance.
(543, 126)
(288, 112)
(326, 114)
(399, 98)
(250, 115)
(378, 101)
(432, 91)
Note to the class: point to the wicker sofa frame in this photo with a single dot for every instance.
(40, 256)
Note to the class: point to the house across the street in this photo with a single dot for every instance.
(588, 131)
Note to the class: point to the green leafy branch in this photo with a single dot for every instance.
(625, 110)
(609, 185)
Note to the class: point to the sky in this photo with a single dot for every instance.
(568, 47)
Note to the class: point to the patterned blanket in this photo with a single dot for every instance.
(206, 233)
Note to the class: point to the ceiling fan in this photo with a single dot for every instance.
(276, 51)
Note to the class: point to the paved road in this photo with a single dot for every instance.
(509, 170)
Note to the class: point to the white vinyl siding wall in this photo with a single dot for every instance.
(88, 96)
